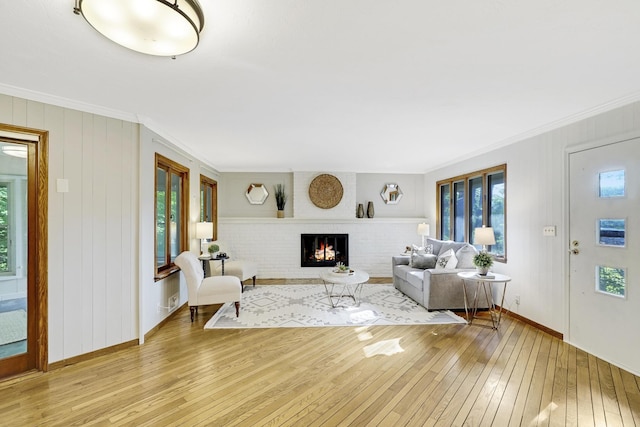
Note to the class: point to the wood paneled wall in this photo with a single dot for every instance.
(93, 228)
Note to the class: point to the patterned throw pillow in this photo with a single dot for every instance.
(447, 260)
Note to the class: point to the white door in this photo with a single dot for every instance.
(604, 231)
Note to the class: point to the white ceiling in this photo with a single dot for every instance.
(340, 85)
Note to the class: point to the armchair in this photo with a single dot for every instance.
(210, 290)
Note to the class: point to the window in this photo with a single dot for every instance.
(172, 201)
(473, 200)
(209, 203)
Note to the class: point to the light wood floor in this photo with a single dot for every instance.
(390, 376)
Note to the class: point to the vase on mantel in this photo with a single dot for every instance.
(360, 211)
(370, 211)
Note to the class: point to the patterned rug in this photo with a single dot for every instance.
(299, 306)
(13, 326)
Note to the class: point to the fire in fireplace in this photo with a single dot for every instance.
(320, 250)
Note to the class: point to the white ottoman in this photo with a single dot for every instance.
(241, 269)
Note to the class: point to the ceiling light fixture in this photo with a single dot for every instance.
(15, 150)
(154, 27)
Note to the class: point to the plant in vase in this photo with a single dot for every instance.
(213, 250)
(281, 198)
(483, 261)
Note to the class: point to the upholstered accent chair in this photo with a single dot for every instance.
(209, 290)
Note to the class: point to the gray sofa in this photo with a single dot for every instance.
(433, 288)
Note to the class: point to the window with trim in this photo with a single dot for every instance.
(172, 215)
(209, 203)
(472, 200)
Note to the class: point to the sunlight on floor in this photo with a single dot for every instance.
(383, 348)
(544, 414)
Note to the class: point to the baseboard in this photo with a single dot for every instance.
(536, 325)
(87, 356)
(163, 322)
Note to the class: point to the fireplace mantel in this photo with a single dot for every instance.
(274, 220)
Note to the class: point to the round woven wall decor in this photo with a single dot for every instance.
(325, 191)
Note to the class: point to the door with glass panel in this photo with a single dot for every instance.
(14, 289)
(604, 245)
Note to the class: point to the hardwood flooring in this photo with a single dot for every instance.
(442, 375)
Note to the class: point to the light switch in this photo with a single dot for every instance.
(549, 230)
(62, 185)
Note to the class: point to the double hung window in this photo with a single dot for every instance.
(171, 197)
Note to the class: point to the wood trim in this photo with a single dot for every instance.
(204, 180)
(176, 168)
(156, 328)
(37, 142)
(92, 355)
(536, 325)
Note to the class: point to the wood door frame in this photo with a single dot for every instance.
(37, 142)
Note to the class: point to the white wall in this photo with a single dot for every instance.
(93, 229)
(536, 196)
(154, 295)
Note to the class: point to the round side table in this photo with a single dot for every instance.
(484, 284)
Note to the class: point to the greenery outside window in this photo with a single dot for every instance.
(209, 203)
(6, 229)
(172, 215)
(472, 200)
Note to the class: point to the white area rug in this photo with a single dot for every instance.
(13, 326)
(296, 306)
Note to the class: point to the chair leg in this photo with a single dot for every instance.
(192, 309)
(237, 308)
(254, 281)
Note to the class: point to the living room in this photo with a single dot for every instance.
(102, 289)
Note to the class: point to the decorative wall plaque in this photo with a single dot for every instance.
(325, 191)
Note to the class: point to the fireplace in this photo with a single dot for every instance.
(322, 250)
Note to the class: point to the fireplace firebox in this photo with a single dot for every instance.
(324, 250)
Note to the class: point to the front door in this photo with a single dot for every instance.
(604, 241)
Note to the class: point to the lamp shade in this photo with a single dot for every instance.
(204, 230)
(154, 27)
(484, 236)
(423, 229)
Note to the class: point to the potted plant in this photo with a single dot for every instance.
(483, 261)
(213, 250)
(281, 198)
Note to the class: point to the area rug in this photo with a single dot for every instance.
(298, 306)
(13, 326)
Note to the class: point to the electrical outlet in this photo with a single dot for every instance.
(549, 230)
(172, 303)
(517, 299)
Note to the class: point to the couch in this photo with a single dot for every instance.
(430, 278)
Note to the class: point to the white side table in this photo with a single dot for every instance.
(484, 283)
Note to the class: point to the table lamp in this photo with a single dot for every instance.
(484, 236)
(204, 231)
(423, 230)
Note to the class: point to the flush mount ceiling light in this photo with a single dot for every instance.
(154, 27)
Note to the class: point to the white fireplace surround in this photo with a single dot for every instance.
(275, 243)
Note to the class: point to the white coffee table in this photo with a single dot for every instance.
(341, 286)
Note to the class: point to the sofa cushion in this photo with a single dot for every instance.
(447, 260)
(465, 256)
(449, 244)
(435, 245)
(416, 278)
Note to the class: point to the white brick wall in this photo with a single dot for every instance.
(275, 243)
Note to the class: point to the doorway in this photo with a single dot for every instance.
(23, 255)
(604, 242)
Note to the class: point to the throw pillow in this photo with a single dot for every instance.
(447, 260)
(465, 256)
(423, 261)
(416, 250)
(435, 245)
